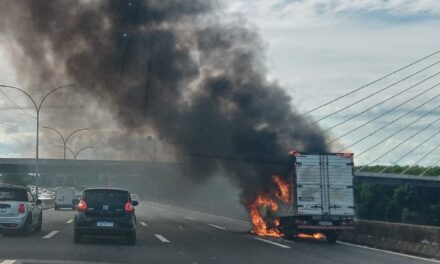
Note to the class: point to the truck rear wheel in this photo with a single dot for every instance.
(331, 237)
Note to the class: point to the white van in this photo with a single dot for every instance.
(64, 197)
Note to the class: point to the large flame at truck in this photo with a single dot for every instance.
(261, 210)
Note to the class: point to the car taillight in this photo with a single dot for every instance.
(82, 206)
(129, 207)
(21, 208)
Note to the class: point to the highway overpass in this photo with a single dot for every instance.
(139, 168)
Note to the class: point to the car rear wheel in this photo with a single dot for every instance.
(26, 230)
(77, 237)
(40, 223)
(131, 238)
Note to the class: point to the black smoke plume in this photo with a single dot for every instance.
(194, 75)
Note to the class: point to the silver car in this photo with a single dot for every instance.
(19, 211)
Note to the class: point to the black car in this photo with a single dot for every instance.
(105, 212)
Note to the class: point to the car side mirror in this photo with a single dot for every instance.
(38, 202)
(135, 203)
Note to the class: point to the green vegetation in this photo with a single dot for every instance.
(405, 204)
(416, 170)
(21, 179)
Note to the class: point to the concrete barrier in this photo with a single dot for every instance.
(47, 203)
(404, 238)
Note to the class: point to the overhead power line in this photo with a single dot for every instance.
(411, 151)
(377, 92)
(387, 112)
(392, 122)
(401, 143)
(383, 101)
(419, 160)
(370, 83)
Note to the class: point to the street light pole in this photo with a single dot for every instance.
(75, 155)
(65, 139)
(151, 139)
(37, 109)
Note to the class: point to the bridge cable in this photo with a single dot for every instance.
(392, 122)
(411, 151)
(386, 112)
(422, 158)
(381, 102)
(429, 168)
(370, 83)
(375, 93)
(401, 143)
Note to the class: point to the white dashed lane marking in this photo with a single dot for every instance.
(218, 227)
(189, 218)
(273, 243)
(143, 224)
(161, 238)
(8, 261)
(51, 234)
(69, 221)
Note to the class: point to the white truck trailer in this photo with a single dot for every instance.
(322, 200)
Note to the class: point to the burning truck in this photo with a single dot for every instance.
(315, 200)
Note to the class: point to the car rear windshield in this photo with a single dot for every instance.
(10, 194)
(114, 199)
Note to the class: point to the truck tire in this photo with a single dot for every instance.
(331, 237)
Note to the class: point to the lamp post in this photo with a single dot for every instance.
(75, 155)
(65, 139)
(151, 139)
(37, 109)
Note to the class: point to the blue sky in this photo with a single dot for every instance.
(325, 47)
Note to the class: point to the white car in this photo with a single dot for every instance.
(134, 197)
(19, 211)
(64, 197)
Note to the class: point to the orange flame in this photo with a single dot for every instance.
(318, 236)
(284, 192)
(263, 205)
(261, 210)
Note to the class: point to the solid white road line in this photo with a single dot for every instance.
(273, 243)
(390, 252)
(143, 224)
(51, 234)
(219, 227)
(8, 261)
(69, 221)
(161, 238)
(189, 218)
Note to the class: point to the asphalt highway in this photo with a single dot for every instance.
(168, 234)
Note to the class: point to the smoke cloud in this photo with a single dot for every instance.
(194, 75)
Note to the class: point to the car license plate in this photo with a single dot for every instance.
(104, 224)
(2, 210)
(325, 223)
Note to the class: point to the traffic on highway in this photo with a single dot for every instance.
(168, 234)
